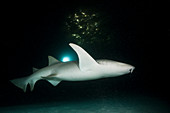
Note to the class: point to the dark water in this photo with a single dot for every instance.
(127, 104)
(83, 97)
(101, 96)
(37, 31)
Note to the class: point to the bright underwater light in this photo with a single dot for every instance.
(66, 59)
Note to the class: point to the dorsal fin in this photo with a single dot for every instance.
(34, 69)
(52, 60)
(85, 60)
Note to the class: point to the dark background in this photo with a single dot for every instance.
(35, 30)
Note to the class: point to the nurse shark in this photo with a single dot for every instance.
(86, 68)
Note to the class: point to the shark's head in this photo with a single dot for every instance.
(103, 68)
(113, 68)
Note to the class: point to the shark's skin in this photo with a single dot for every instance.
(85, 69)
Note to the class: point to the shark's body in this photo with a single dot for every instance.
(85, 69)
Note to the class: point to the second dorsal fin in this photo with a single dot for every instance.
(52, 60)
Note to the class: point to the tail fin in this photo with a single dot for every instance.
(23, 82)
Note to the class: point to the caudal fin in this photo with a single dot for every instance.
(23, 82)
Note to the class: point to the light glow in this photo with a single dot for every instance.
(66, 59)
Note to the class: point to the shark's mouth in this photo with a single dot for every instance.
(131, 70)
